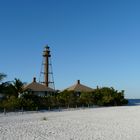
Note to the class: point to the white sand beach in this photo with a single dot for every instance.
(107, 123)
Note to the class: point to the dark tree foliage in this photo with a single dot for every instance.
(67, 99)
(17, 86)
(86, 98)
(11, 88)
(109, 97)
(101, 97)
(2, 84)
(2, 76)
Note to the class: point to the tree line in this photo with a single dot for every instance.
(104, 96)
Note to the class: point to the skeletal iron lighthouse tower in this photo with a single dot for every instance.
(46, 69)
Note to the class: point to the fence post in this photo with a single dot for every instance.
(68, 107)
(36, 109)
(22, 110)
(4, 111)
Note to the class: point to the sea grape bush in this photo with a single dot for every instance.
(101, 97)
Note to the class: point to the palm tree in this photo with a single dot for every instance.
(2, 76)
(2, 85)
(18, 86)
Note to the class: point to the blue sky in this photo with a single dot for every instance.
(96, 41)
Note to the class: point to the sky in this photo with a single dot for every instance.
(95, 41)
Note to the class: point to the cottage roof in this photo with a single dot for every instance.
(34, 86)
(78, 87)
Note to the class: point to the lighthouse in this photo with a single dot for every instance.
(46, 55)
(46, 83)
(46, 69)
